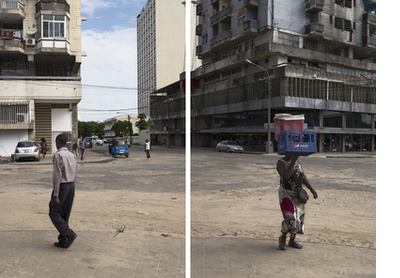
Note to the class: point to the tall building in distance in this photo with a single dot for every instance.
(312, 57)
(161, 47)
(40, 82)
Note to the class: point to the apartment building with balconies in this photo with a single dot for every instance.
(161, 47)
(40, 80)
(315, 57)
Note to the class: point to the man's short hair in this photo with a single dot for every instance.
(62, 139)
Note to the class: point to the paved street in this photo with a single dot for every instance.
(103, 253)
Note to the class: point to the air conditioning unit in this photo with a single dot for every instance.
(30, 41)
(22, 118)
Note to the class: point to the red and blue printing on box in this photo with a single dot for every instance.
(293, 142)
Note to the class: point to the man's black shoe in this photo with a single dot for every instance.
(71, 240)
(61, 245)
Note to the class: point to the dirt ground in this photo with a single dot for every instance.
(346, 217)
(338, 216)
(97, 211)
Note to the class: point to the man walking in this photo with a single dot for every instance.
(62, 197)
(147, 148)
(82, 147)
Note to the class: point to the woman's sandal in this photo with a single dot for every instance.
(295, 245)
(282, 246)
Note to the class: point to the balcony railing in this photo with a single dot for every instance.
(370, 18)
(198, 50)
(12, 5)
(313, 6)
(199, 9)
(12, 11)
(55, 5)
(221, 37)
(369, 41)
(11, 42)
(199, 29)
(223, 14)
(250, 3)
(250, 26)
(314, 28)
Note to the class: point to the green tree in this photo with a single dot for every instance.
(90, 128)
(143, 122)
(122, 128)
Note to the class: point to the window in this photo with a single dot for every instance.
(332, 119)
(358, 120)
(204, 21)
(339, 23)
(347, 25)
(205, 39)
(14, 114)
(348, 3)
(339, 2)
(53, 26)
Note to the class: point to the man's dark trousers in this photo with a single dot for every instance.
(59, 214)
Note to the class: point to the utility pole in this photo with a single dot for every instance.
(130, 129)
(268, 149)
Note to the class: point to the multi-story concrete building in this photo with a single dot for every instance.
(40, 82)
(108, 123)
(161, 47)
(317, 57)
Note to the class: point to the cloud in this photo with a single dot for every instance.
(111, 61)
(91, 6)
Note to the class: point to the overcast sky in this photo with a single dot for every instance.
(109, 38)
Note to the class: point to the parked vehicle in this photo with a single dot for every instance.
(95, 140)
(27, 149)
(229, 146)
(118, 146)
(88, 142)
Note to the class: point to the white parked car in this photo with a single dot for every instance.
(95, 140)
(27, 149)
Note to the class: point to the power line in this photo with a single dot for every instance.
(106, 110)
(67, 83)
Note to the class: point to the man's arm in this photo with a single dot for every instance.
(56, 178)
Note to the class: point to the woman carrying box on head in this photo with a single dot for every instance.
(292, 177)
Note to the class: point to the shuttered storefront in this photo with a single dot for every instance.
(43, 123)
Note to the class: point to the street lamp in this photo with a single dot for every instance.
(268, 149)
(129, 127)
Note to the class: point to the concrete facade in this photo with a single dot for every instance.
(316, 58)
(161, 47)
(40, 82)
(111, 121)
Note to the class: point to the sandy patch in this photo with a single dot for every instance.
(338, 217)
(97, 211)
